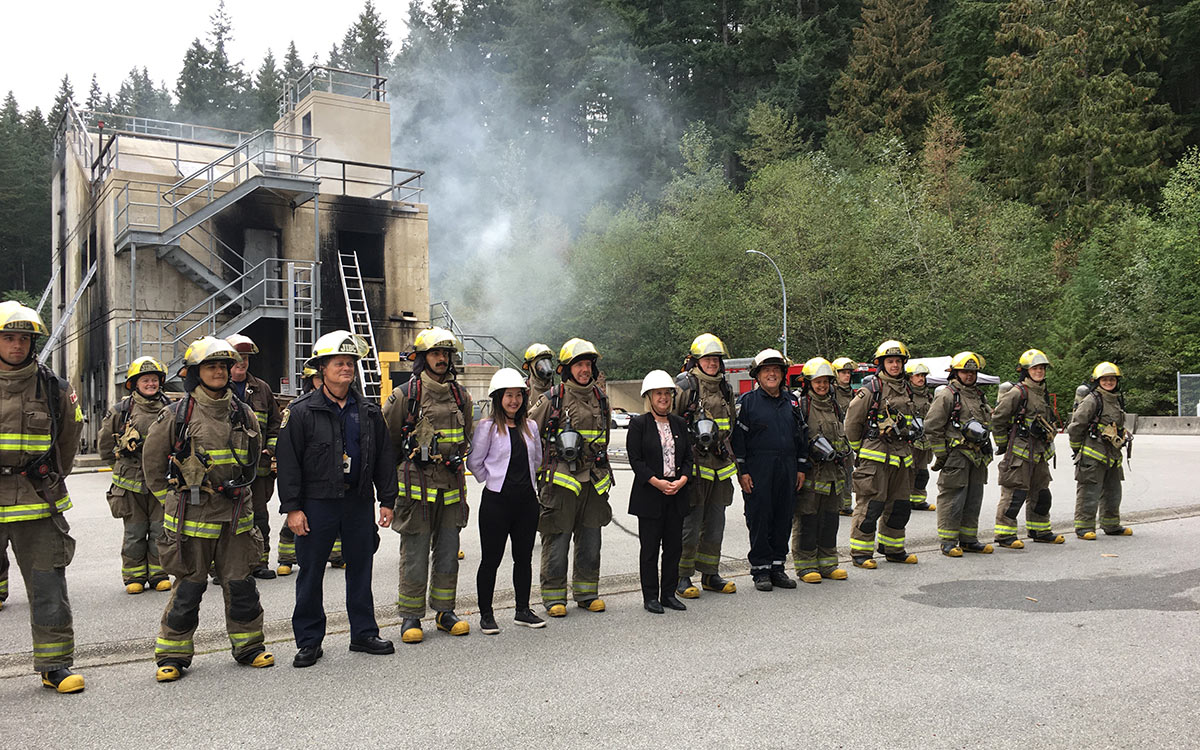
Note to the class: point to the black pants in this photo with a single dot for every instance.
(354, 519)
(663, 533)
(769, 509)
(504, 514)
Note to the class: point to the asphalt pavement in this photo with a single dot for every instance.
(1089, 644)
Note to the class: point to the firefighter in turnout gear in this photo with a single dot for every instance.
(200, 460)
(881, 426)
(120, 444)
(814, 529)
(843, 392)
(40, 424)
(429, 419)
(918, 374)
(257, 394)
(1024, 427)
(957, 426)
(573, 420)
(770, 446)
(1097, 434)
(706, 402)
(539, 364)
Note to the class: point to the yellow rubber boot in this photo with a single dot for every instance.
(163, 585)
(410, 630)
(595, 605)
(448, 622)
(168, 673)
(283, 570)
(811, 577)
(865, 563)
(837, 574)
(264, 659)
(1088, 535)
(63, 680)
(1120, 531)
(1010, 542)
(461, 555)
(134, 588)
(686, 589)
(558, 610)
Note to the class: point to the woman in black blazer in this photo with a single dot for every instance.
(659, 496)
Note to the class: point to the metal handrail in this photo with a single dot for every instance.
(148, 126)
(236, 297)
(319, 77)
(251, 151)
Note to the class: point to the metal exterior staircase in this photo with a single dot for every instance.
(280, 162)
(478, 348)
(359, 318)
(279, 288)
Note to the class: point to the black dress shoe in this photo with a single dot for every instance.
(307, 656)
(780, 579)
(652, 605)
(671, 602)
(263, 572)
(373, 644)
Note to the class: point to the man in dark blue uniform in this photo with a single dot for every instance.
(334, 455)
(770, 446)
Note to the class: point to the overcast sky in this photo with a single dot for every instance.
(45, 39)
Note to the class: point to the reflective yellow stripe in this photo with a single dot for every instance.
(33, 511)
(1037, 525)
(224, 456)
(885, 458)
(242, 639)
(896, 542)
(449, 497)
(1002, 530)
(862, 545)
(161, 495)
(722, 423)
(20, 441)
(603, 484)
(128, 484)
(164, 646)
(568, 481)
(450, 436)
(61, 648)
(855, 445)
(727, 471)
(703, 472)
(200, 529)
(262, 418)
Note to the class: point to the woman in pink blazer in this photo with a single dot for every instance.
(505, 454)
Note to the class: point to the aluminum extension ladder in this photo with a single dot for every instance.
(360, 322)
(52, 342)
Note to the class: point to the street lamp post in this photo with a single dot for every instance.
(783, 287)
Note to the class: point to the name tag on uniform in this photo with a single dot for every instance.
(346, 463)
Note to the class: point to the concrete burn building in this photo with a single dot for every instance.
(167, 231)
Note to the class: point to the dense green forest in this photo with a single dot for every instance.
(978, 174)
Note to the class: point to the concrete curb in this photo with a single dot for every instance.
(279, 631)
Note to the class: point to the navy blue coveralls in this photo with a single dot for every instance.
(770, 443)
(332, 460)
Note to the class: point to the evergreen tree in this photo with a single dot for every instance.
(138, 97)
(1180, 67)
(966, 34)
(892, 75)
(366, 43)
(268, 87)
(95, 98)
(193, 88)
(65, 96)
(774, 137)
(1076, 122)
(293, 65)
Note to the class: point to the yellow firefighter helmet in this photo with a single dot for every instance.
(435, 338)
(1032, 358)
(210, 349)
(575, 349)
(891, 348)
(17, 318)
(844, 363)
(966, 361)
(144, 366)
(706, 344)
(1105, 368)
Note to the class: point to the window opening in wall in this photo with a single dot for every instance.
(369, 247)
(306, 124)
